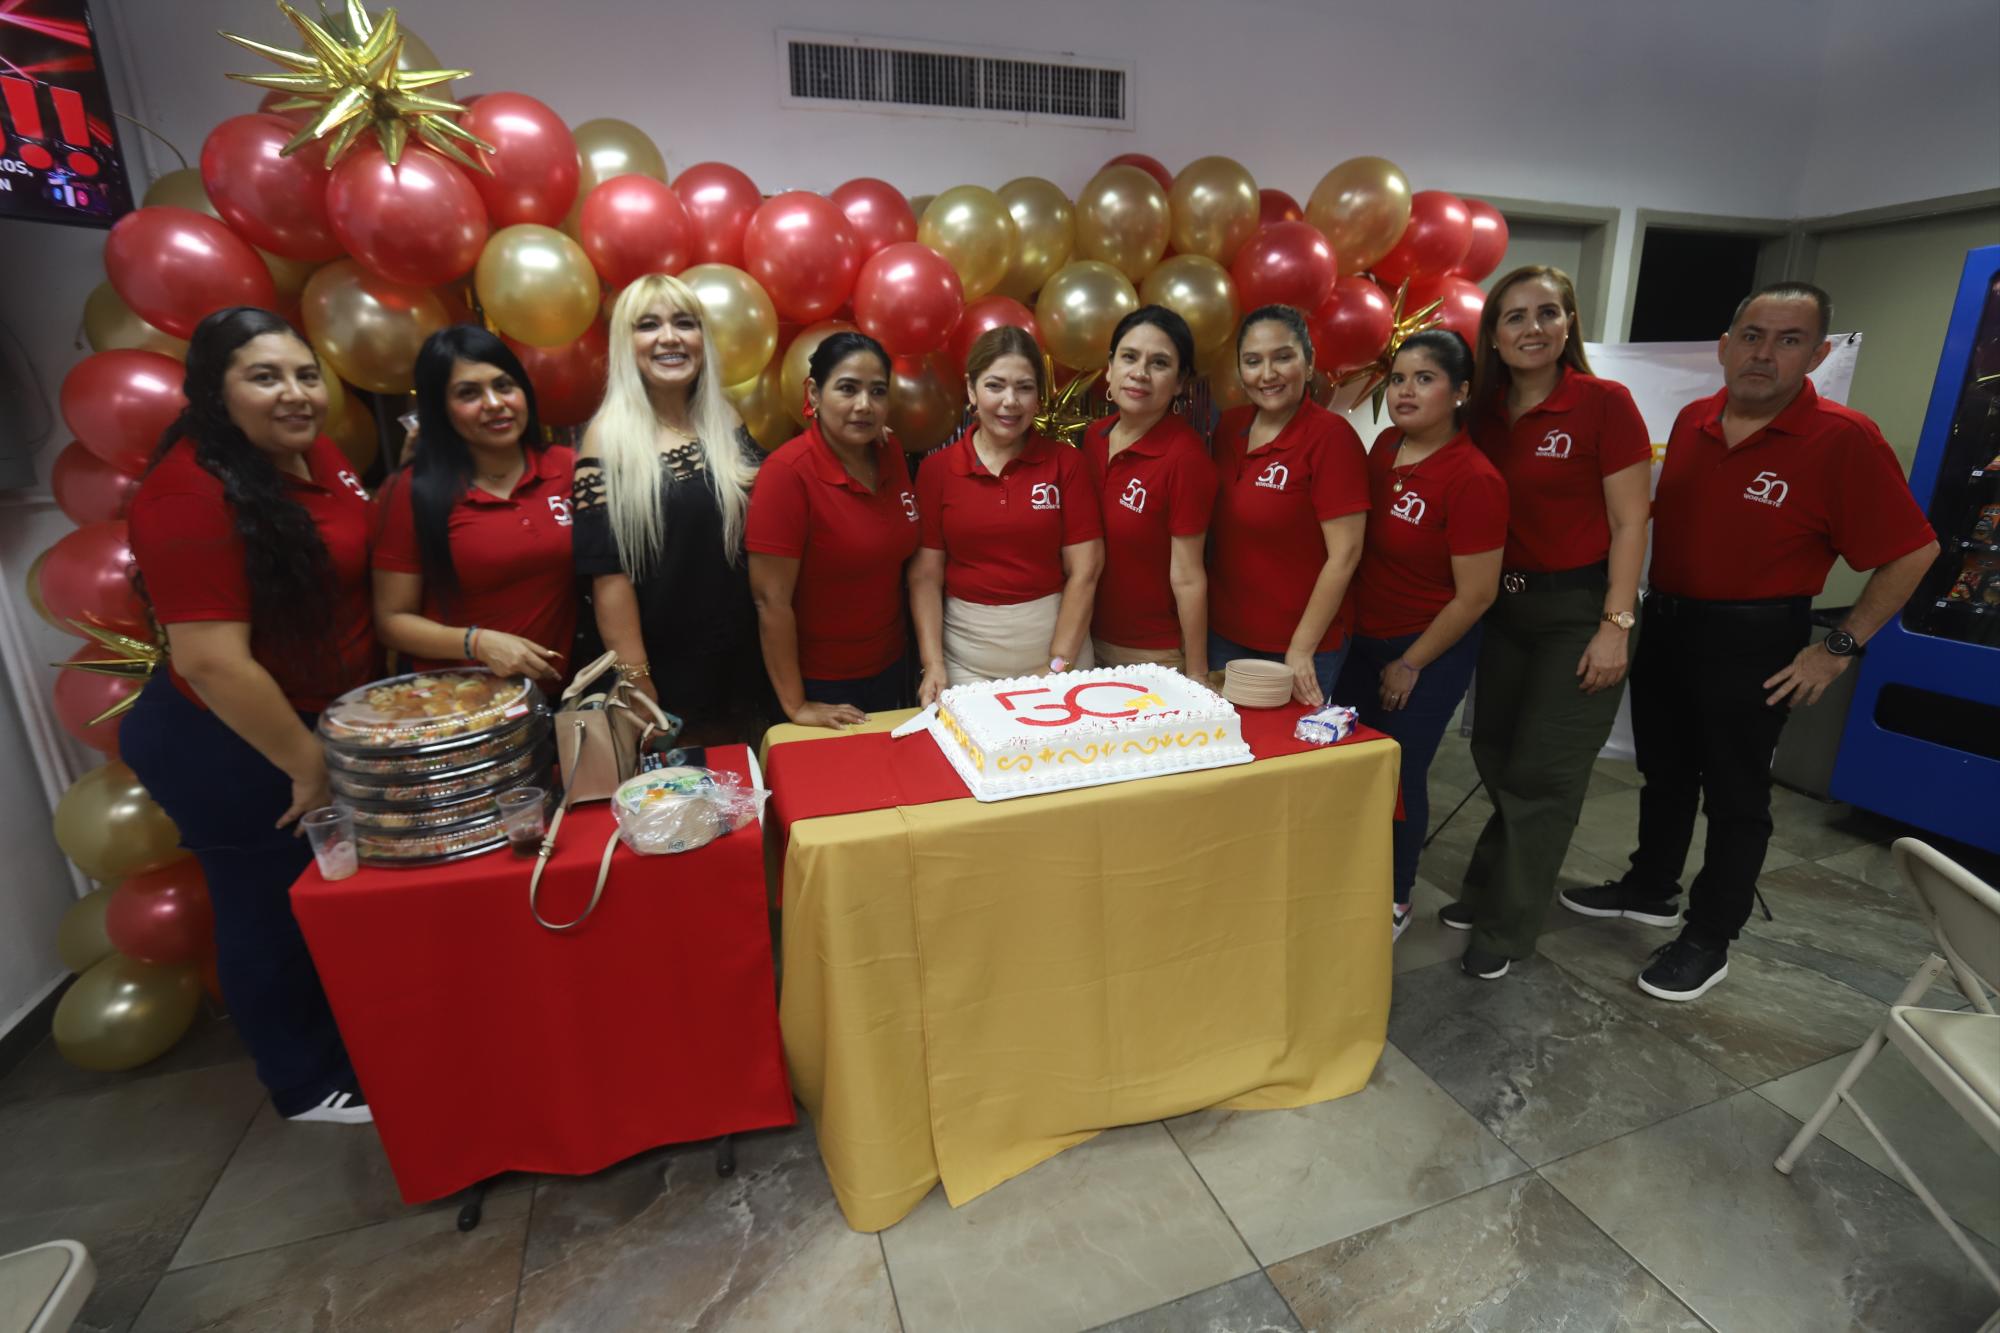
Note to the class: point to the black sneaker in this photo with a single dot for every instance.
(1614, 898)
(1486, 966)
(1456, 915)
(1683, 969)
(341, 1108)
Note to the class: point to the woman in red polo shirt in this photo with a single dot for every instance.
(1431, 566)
(251, 535)
(1290, 513)
(1576, 456)
(833, 520)
(1156, 491)
(472, 560)
(1012, 540)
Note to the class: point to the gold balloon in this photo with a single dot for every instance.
(797, 360)
(1080, 306)
(1361, 207)
(1215, 208)
(367, 328)
(34, 591)
(925, 407)
(761, 404)
(80, 939)
(1045, 223)
(122, 1012)
(607, 148)
(111, 828)
(109, 323)
(180, 189)
(351, 426)
(1225, 388)
(742, 322)
(973, 230)
(537, 285)
(289, 275)
(1217, 359)
(1200, 291)
(1122, 219)
(417, 55)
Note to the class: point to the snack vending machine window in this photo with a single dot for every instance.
(1922, 743)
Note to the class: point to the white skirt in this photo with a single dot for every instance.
(995, 642)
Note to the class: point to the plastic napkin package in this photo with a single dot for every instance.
(1333, 723)
(680, 809)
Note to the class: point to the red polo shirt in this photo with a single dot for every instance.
(851, 544)
(1161, 486)
(511, 554)
(1268, 548)
(1554, 460)
(1767, 518)
(1003, 536)
(184, 538)
(1452, 503)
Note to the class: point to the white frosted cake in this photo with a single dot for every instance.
(1036, 734)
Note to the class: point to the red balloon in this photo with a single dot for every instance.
(118, 403)
(275, 202)
(533, 161)
(1285, 263)
(1489, 242)
(721, 200)
(1462, 302)
(87, 576)
(88, 489)
(569, 380)
(1438, 236)
(83, 695)
(1352, 326)
(632, 226)
(163, 916)
(988, 312)
(800, 250)
(1152, 166)
(173, 265)
(877, 214)
(908, 299)
(420, 222)
(1277, 206)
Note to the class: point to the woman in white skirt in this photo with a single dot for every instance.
(1004, 582)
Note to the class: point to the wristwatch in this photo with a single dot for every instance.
(1622, 619)
(1842, 644)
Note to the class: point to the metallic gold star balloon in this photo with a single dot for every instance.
(1375, 375)
(351, 77)
(137, 660)
(1065, 414)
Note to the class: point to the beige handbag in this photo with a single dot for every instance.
(600, 740)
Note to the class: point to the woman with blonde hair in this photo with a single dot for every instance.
(662, 490)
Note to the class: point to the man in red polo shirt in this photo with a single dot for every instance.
(1763, 485)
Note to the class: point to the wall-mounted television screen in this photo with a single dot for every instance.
(59, 158)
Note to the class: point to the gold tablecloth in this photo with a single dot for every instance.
(970, 988)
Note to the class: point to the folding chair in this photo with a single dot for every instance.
(1959, 1053)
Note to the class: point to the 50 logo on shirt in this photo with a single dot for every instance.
(910, 506)
(1274, 477)
(1045, 495)
(559, 508)
(1767, 489)
(1134, 498)
(1556, 444)
(1409, 507)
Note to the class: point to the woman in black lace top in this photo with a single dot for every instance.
(662, 485)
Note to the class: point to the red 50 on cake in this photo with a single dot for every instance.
(1037, 734)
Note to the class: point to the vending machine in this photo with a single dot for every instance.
(1922, 743)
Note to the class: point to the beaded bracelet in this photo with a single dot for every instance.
(471, 637)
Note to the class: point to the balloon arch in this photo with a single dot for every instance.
(370, 208)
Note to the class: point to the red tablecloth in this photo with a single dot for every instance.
(487, 1044)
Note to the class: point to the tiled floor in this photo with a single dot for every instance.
(1552, 1151)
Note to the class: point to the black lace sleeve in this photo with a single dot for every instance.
(595, 547)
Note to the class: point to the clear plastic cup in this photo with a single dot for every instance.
(522, 814)
(330, 829)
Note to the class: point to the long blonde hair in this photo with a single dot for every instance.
(625, 429)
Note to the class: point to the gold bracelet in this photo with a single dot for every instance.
(628, 672)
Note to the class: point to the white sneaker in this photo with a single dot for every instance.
(1402, 916)
(340, 1108)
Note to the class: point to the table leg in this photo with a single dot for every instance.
(725, 1156)
(475, 1204)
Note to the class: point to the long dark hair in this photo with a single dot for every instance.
(1491, 378)
(285, 559)
(440, 465)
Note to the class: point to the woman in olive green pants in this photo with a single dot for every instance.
(1577, 459)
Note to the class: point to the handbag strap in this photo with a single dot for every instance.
(542, 856)
(589, 674)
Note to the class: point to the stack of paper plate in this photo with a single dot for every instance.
(1251, 682)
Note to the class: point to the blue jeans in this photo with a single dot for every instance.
(224, 797)
(1418, 726)
(1326, 665)
(880, 693)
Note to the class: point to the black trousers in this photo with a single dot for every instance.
(1704, 733)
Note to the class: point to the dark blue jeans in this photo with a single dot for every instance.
(879, 693)
(1418, 726)
(1326, 666)
(224, 797)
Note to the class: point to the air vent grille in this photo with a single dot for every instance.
(879, 76)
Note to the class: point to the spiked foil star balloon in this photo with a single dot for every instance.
(1374, 376)
(1066, 414)
(136, 659)
(350, 77)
